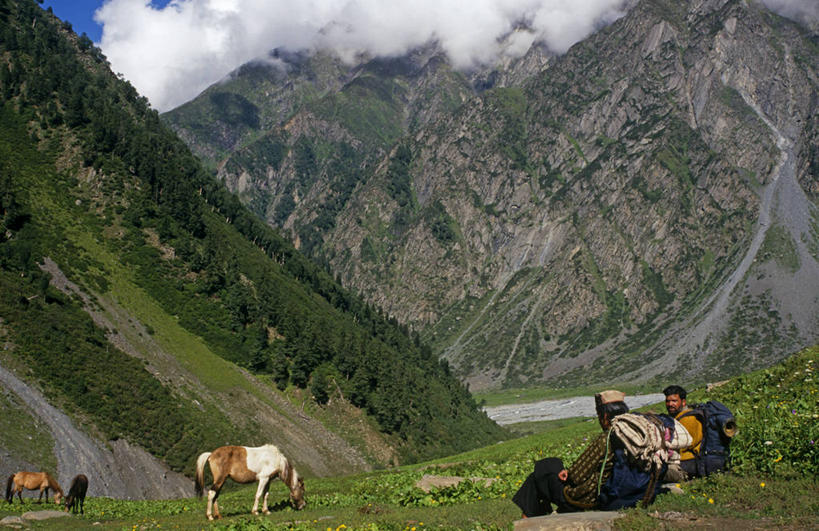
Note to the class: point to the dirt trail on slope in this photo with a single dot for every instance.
(121, 471)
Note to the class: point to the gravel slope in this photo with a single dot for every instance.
(118, 471)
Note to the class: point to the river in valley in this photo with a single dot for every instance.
(563, 408)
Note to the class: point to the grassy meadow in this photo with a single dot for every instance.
(773, 483)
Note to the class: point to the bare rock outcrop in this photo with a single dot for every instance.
(582, 521)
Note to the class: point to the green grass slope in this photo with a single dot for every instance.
(771, 486)
(93, 181)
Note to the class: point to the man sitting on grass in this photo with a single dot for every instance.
(602, 478)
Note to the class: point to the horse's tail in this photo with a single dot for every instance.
(199, 484)
(9, 483)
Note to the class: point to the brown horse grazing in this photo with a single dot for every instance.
(32, 481)
(246, 465)
(76, 494)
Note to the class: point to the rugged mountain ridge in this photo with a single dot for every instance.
(645, 200)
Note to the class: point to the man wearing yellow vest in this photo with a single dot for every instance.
(676, 405)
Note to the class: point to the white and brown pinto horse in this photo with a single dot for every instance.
(246, 465)
(32, 481)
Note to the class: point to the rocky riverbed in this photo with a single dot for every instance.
(564, 408)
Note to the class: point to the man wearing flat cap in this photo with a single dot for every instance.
(601, 478)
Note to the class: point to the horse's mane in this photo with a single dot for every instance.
(287, 471)
(53, 483)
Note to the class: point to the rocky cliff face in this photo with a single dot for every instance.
(641, 207)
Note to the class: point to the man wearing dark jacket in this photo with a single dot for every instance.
(601, 478)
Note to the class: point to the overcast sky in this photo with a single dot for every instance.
(805, 11)
(172, 50)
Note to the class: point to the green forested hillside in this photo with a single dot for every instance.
(91, 179)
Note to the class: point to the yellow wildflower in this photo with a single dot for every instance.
(710, 500)
(762, 484)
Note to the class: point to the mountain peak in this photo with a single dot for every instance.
(606, 213)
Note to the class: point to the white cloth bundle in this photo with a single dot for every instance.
(647, 442)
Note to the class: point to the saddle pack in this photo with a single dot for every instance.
(718, 428)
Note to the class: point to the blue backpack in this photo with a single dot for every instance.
(718, 428)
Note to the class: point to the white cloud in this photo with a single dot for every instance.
(172, 54)
(804, 11)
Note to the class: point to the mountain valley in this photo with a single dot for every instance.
(640, 208)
